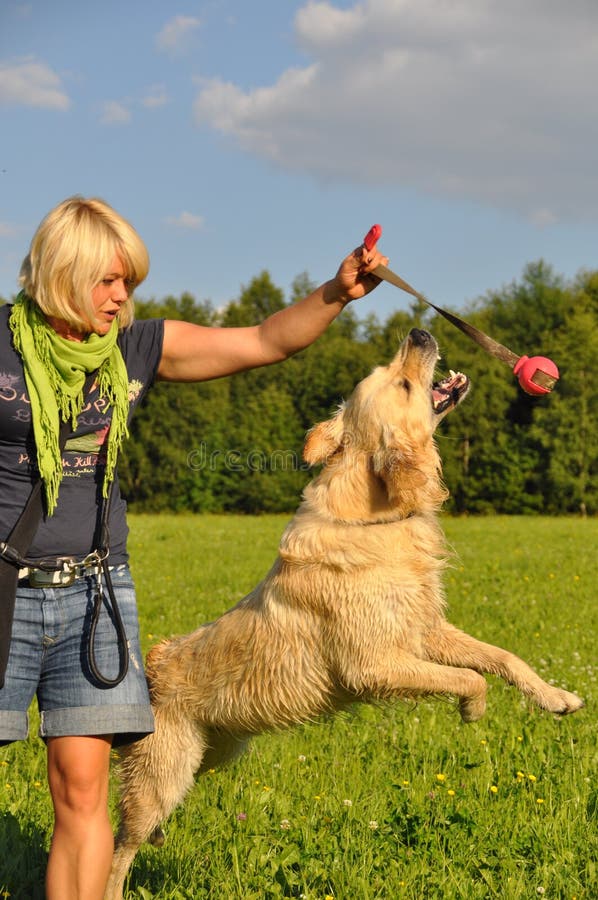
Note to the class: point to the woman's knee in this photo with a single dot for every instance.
(78, 775)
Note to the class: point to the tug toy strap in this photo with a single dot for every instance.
(537, 375)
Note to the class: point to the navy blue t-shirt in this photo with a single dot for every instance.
(70, 531)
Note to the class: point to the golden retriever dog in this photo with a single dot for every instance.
(352, 609)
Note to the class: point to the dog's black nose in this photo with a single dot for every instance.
(420, 337)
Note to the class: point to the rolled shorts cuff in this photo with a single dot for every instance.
(14, 726)
(126, 722)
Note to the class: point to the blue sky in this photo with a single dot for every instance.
(241, 135)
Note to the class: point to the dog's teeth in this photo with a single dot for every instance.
(452, 374)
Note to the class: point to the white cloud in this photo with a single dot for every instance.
(115, 113)
(156, 96)
(487, 100)
(27, 82)
(543, 217)
(176, 34)
(8, 230)
(186, 220)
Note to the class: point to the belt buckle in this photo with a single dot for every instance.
(59, 578)
(68, 573)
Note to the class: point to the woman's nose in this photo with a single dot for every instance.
(120, 290)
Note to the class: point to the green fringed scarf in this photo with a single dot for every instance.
(55, 370)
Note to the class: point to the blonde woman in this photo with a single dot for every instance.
(74, 316)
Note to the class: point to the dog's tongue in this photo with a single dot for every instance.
(441, 399)
(447, 392)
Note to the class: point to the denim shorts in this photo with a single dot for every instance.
(48, 659)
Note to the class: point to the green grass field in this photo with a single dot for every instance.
(395, 801)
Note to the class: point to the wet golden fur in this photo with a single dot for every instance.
(352, 609)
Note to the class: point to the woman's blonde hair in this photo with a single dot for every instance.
(70, 254)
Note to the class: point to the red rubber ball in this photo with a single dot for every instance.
(526, 368)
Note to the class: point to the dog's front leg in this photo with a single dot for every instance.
(406, 675)
(451, 646)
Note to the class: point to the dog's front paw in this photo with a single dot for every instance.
(563, 702)
(472, 708)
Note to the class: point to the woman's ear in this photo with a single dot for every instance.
(323, 440)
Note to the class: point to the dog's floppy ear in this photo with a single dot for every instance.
(323, 440)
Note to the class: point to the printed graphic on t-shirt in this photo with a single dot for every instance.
(8, 384)
(83, 452)
(87, 448)
(12, 393)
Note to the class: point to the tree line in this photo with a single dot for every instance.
(235, 444)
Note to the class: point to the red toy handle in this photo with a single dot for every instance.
(372, 237)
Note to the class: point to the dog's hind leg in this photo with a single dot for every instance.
(451, 646)
(156, 773)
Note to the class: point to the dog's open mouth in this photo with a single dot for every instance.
(449, 392)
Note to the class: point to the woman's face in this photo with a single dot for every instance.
(107, 298)
(109, 295)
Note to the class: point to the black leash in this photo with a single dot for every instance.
(104, 577)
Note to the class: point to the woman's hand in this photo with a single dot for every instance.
(354, 279)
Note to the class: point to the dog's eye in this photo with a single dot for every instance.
(404, 383)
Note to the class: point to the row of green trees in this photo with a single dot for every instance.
(235, 443)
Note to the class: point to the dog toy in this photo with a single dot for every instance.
(537, 375)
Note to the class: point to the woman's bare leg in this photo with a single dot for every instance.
(82, 842)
